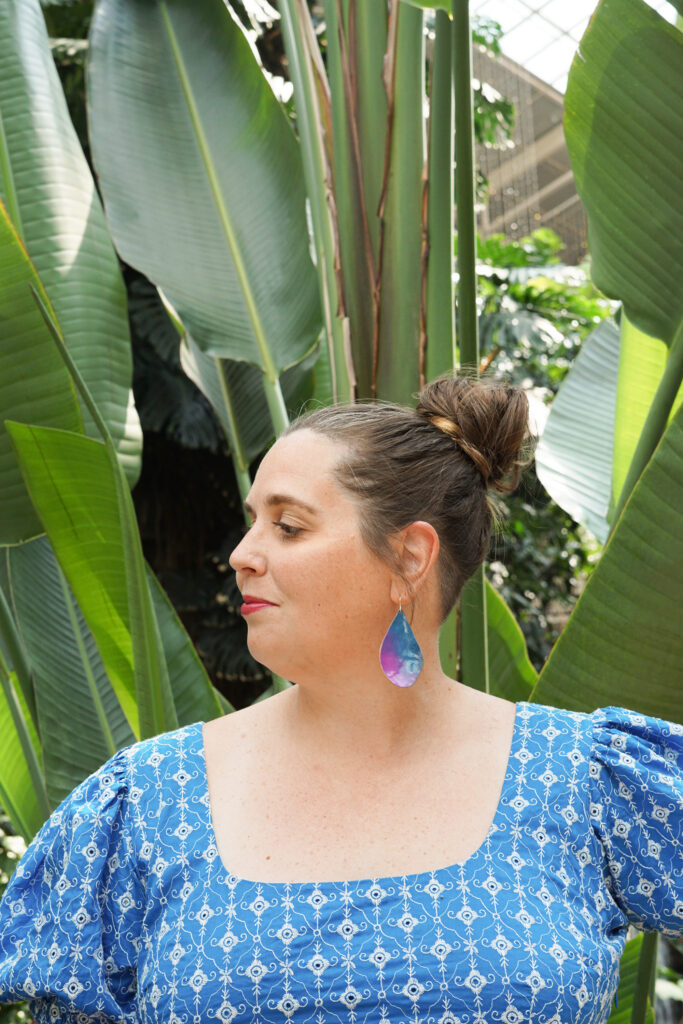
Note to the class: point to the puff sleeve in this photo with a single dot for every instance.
(70, 916)
(636, 770)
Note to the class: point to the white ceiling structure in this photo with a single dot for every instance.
(542, 35)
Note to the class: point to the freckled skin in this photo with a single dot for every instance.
(287, 775)
(330, 590)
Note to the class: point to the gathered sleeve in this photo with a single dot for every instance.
(70, 916)
(636, 770)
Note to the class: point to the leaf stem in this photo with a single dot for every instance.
(656, 421)
(28, 749)
(12, 638)
(440, 328)
(647, 962)
(467, 324)
(474, 658)
(87, 667)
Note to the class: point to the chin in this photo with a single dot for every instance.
(263, 653)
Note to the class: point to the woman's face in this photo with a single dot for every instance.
(316, 599)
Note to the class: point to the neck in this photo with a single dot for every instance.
(360, 714)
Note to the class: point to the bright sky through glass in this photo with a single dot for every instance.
(543, 35)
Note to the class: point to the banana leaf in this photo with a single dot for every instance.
(624, 128)
(511, 674)
(19, 796)
(623, 641)
(34, 383)
(642, 362)
(86, 509)
(628, 981)
(51, 197)
(202, 177)
(73, 693)
(574, 455)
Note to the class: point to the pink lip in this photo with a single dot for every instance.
(253, 604)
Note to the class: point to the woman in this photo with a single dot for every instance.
(491, 856)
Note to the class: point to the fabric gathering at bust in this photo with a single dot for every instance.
(122, 911)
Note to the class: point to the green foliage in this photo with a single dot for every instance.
(534, 314)
(487, 33)
(539, 562)
(539, 249)
(531, 328)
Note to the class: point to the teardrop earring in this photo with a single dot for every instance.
(400, 656)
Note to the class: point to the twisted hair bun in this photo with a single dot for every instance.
(433, 463)
(488, 423)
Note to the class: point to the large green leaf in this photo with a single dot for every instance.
(194, 696)
(76, 497)
(623, 640)
(35, 386)
(71, 482)
(236, 393)
(511, 674)
(73, 693)
(17, 792)
(202, 177)
(574, 455)
(628, 982)
(624, 128)
(49, 191)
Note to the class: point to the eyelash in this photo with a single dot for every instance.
(288, 532)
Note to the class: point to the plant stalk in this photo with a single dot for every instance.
(647, 967)
(239, 459)
(313, 124)
(20, 664)
(474, 665)
(276, 404)
(440, 326)
(467, 322)
(656, 421)
(28, 750)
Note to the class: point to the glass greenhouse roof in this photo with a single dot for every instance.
(542, 35)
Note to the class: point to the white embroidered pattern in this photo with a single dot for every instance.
(121, 910)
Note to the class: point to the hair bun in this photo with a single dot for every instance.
(488, 422)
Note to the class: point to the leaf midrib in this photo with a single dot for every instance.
(226, 223)
(8, 178)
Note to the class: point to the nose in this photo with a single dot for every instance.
(245, 558)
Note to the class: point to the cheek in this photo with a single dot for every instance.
(350, 576)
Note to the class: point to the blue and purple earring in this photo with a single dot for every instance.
(400, 655)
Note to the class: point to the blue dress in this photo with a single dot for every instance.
(121, 909)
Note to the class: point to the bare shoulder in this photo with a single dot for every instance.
(485, 720)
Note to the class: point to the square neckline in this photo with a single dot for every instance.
(409, 878)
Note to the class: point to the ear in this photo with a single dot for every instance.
(417, 548)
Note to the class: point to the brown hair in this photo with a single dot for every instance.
(435, 463)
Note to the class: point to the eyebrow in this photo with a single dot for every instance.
(283, 499)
